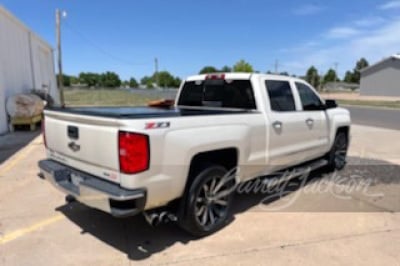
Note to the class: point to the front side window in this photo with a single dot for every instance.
(309, 100)
(280, 95)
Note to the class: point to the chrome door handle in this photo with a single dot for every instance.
(310, 122)
(277, 124)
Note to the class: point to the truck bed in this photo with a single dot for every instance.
(143, 112)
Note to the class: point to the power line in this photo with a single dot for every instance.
(100, 49)
(336, 74)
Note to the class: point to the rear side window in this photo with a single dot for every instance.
(309, 99)
(280, 95)
(218, 93)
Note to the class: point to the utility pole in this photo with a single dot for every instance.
(276, 66)
(156, 72)
(336, 69)
(313, 81)
(59, 58)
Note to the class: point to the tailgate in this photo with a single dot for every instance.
(89, 144)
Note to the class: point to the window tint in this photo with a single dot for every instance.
(309, 99)
(280, 95)
(218, 93)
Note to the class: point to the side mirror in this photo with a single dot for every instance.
(330, 104)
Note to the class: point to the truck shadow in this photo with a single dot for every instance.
(134, 237)
(11, 143)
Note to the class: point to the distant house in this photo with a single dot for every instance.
(382, 78)
(26, 62)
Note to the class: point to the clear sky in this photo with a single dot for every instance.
(126, 35)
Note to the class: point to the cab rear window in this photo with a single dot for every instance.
(218, 93)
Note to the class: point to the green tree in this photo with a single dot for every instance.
(146, 80)
(226, 69)
(125, 84)
(284, 73)
(362, 63)
(167, 80)
(348, 77)
(177, 82)
(208, 69)
(66, 80)
(89, 79)
(243, 66)
(150, 84)
(74, 80)
(133, 83)
(330, 76)
(110, 80)
(313, 77)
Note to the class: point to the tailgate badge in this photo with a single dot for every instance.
(157, 125)
(74, 147)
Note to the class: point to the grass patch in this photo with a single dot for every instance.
(387, 104)
(105, 97)
(340, 92)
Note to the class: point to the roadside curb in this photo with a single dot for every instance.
(370, 107)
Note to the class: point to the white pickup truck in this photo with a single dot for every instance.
(130, 160)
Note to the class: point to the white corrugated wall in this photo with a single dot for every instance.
(43, 67)
(14, 56)
(26, 60)
(3, 117)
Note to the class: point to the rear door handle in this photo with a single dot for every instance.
(277, 124)
(310, 122)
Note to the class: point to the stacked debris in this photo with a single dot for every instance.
(24, 105)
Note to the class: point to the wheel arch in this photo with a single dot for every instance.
(226, 157)
(344, 129)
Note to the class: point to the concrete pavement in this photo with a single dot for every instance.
(376, 143)
(36, 227)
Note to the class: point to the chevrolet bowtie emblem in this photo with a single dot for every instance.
(74, 147)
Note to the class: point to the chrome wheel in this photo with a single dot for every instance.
(206, 204)
(212, 201)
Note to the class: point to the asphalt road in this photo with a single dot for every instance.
(376, 117)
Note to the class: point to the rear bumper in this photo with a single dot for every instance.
(93, 191)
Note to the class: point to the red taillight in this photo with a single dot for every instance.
(44, 132)
(134, 152)
(215, 76)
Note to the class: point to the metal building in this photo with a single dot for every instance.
(382, 78)
(26, 62)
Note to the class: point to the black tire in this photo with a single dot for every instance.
(338, 153)
(207, 201)
(70, 199)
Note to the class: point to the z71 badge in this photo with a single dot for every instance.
(157, 125)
